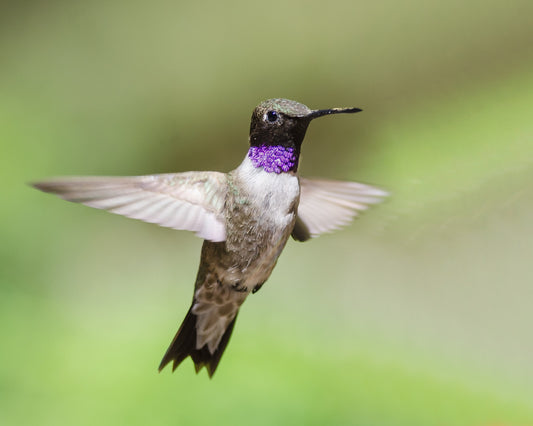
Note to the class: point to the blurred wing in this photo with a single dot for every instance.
(192, 201)
(327, 205)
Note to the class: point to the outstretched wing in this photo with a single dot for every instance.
(327, 205)
(192, 201)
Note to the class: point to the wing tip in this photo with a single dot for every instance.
(45, 185)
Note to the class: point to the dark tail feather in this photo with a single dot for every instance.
(184, 345)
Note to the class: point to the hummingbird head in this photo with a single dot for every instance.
(282, 122)
(277, 131)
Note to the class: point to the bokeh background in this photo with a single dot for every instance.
(420, 313)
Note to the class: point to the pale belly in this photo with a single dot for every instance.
(261, 213)
(265, 221)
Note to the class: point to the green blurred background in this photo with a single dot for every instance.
(417, 314)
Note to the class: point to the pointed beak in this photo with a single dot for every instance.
(322, 112)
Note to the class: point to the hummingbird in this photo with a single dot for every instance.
(245, 217)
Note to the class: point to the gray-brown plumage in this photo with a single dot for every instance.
(245, 217)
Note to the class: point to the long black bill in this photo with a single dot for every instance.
(322, 112)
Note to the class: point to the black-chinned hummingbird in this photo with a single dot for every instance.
(245, 218)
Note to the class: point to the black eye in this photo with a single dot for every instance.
(272, 116)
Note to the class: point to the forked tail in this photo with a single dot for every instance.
(186, 341)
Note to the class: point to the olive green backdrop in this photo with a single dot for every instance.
(417, 314)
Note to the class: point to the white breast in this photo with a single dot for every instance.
(273, 193)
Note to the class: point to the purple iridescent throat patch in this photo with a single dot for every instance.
(273, 159)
